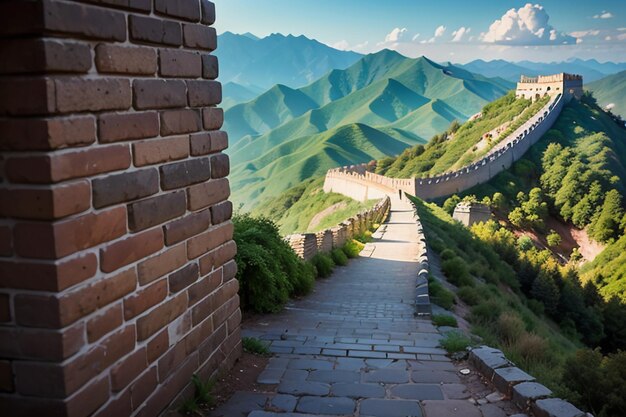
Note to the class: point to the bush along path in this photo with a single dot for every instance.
(355, 347)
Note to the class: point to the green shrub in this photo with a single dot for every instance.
(486, 312)
(447, 254)
(444, 320)
(254, 346)
(531, 348)
(339, 257)
(323, 264)
(352, 248)
(469, 295)
(455, 342)
(457, 271)
(268, 270)
(553, 239)
(439, 295)
(510, 327)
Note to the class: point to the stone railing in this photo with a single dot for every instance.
(524, 391)
(355, 182)
(422, 299)
(307, 245)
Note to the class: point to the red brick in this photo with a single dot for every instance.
(200, 37)
(161, 264)
(5, 308)
(209, 240)
(143, 387)
(57, 240)
(6, 377)
(158, 346)
(171, 361)
(217, 257)
(89, 399)
(188, 226)
(161, 316)
(230, 304)
(121, 188)
(205, 286)
(222, 212)
(230, 270)
(213, 118)
(40, 344)
(142, 5)
(115, 127)
(174, 122)
(144, 299)
(120, 406)
(182, 174)
(47, 134)
(125, 371)
(179, 63)
(151, 30)
(130, 249)
(79, 94)
(46, 203)
(210, 67)
(104, 323)
(183, 278)
(207, 194)
(159, 94)
(208, 12)
(220, 166)
(156, 210)
(43, 55)
(234, 321)
(126, 60)
(60, 167)
(157, 151)
(78, 19)
(198, 335)
(184, 9)
(6, 242)
(27, 96)
(207, 143)
(48, 276)
(204, 93)
(212, 343)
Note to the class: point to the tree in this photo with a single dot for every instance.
(554, 239)
(606, 225)
(451, 203)
(614, 317)
(545, 290)
(525, 243)
(498, 201)
(516, 217)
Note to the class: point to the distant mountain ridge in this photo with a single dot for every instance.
(611, 92)
(382, 104)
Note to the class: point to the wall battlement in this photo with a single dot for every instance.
(358, 183)
(533, 88)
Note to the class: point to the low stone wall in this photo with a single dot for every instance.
(307, 245)
(422, 300)
(524, 391)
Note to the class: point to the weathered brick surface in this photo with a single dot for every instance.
(116, 270)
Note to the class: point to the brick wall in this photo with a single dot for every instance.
(116, 271)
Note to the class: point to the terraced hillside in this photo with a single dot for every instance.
(376, 108)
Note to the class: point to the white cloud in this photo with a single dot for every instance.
(458, 34)
(527, 25)
(610, 106)
(584, 33)
(417, 35)
(396, 35)
(579, 41)
(603, 15)
(342, 45)
(440, 31)
(608, 38)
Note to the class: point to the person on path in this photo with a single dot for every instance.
(400, 194)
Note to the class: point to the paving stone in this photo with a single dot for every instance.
(450, 408)
(400, 356)
(387, 376)
(270, 376)
(526, 392)
(326, 405)
(307, 350)
(505, 378)
(295, 375)
(366, 354)
(357, 390)
(334, 376)
(437, 377)
(280, 349)
(272, 414)
(378, 363)
(390, 408)
(424, 350)
(278, 363)
(432, 366)
(284, 402)
(492, 410)
(303, 388)
(310, 364)
(350, 364)
(334, 352)
(417, 392)
(386, 348)
(555, 407)
(240, 404)
(455, 391)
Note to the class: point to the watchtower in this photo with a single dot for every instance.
(533, 88)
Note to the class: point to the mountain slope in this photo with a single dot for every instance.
(277, 59)
(611, 91)
(233, 93)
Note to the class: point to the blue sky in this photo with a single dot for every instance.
(443, 29)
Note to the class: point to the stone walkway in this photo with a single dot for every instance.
(354, 347)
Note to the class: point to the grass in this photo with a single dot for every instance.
(455, 342)
(339, 257)
(255, 346)
(444, 320)
(324, 265)
(352, 248)
(202, 397)
(439, 295)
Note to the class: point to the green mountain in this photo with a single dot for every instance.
(379, 106)
(277, 59)
(233, 93)
(611, 92)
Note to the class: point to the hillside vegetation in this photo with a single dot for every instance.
(611, 92)
(378, 107)
(458, 145)
(294, 209)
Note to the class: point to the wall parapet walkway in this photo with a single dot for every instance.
(358, 183)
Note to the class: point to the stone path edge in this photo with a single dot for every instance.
(422, 297)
